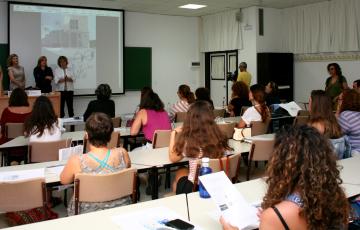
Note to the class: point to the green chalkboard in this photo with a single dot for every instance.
(4, 53)
(137, 68)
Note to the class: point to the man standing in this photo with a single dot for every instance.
(244, 75)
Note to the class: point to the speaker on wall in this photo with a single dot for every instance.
(277, 67)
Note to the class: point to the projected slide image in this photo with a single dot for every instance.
(74, 36)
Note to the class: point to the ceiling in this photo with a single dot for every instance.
(170, 7)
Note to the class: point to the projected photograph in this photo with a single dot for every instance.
(73, 36)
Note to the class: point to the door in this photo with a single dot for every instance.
(221, 65)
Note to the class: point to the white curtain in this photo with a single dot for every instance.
(220, 32)
(331, 26)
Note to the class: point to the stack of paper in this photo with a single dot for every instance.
(292, 108)
(66, 153)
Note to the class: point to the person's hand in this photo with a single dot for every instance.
(178, 129)
(48, 78)
(226, 225)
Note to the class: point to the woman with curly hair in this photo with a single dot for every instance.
(239, 98)
(199, 137)
(349, 118)
(303, 184)
(259, 111)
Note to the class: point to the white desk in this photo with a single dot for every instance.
(254, 191)
(71, 121)
(102, 219)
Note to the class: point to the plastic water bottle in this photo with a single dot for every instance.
(205, 169)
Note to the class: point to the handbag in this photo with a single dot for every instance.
(241, 133)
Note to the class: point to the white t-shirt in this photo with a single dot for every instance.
(48, 135)
(251, 114)
(59, 74)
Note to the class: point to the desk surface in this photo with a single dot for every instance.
(102, 219)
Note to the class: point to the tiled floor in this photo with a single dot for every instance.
(61, 210)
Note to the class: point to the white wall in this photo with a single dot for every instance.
(175, 44)
(312, 75)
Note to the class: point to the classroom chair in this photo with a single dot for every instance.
(23, 195)
(113, 143)
(227, 129)
(116, 122)
(261, 150)
(243, 109)
(105, 187)
(302, 118)
(259, 127)
(180, 116)
(13, 130)
(46, 151)
(161, 138)
(229, 164)
(219, 113)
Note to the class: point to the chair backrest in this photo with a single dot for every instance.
(22, 195)
(229, 166)
(303, 113)
(219, 113)
(161, 138)
(301, 120)
(113, 143)
(116, 122)
(261, 150)
(259, 127)
(243, 109)
(180, 116)
(104, 187)
(227, 129)
(46, 151)
(13, 130)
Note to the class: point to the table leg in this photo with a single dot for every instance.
(155, 187)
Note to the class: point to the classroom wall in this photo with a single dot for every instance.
(175, 44)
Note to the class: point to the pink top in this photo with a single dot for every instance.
(156, 120)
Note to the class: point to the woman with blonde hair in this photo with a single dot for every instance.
(16, 72)
(303, 181)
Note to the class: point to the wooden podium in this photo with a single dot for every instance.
(53, 96)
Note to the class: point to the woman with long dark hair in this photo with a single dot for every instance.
(43, 75)
(335, 83)
(42, 125)
(239, 98)
(198, 137)
(304, 186)
(259, 111)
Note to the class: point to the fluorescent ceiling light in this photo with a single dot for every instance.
(192, 6)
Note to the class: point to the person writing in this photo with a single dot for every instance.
(64, 78)
(304, 190)
(43, 75)
(16, 72)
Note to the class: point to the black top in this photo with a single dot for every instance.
(103, 106)
(238, 103)
(272, 99)
(41, 82)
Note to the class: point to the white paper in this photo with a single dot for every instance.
(10, 176)
(55, 169)
(147, 219)
(229, 201)
(292, 108)
(66, 153)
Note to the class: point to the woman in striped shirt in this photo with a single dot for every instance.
(186, 99)
(349, 118)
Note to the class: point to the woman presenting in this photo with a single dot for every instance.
(64, 79)
(16, 72)
(43, 75)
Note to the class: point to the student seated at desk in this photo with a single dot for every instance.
(203, 94)
(259, 111)
(42, 125)
(323, 119)
(102, 104)
(199, 137)
(151, 117)
(99, 160)
(186, 99)
(349, 118)
(303, 181)
(239, 98)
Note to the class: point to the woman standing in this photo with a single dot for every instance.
(16, 72)
(336, 83)
(64, 79)
(43, 75)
